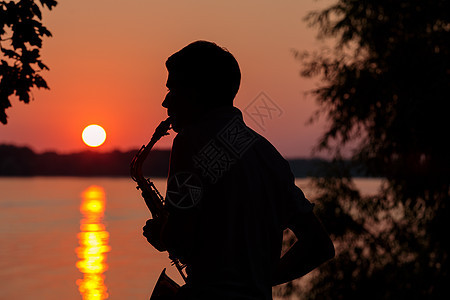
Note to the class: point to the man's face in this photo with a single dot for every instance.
(178, 102)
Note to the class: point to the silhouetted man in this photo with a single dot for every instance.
(230, 193)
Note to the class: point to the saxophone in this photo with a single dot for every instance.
(155, 203)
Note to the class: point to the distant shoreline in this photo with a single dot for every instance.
(24, 162)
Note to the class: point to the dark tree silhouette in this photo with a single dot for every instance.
(21, 33)
(385, 94)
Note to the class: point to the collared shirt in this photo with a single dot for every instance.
(230, 195)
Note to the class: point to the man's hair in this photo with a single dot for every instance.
(209, 69)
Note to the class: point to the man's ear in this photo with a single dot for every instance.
(196, 98)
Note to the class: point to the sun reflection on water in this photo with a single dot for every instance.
(93, 239)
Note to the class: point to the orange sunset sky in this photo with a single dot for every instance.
(107, 58)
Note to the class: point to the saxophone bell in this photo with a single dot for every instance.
(165, 287)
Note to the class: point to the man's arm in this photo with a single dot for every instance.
(312, 248)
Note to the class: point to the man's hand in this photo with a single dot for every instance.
(153, 233)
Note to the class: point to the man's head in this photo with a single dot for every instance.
(202, 76)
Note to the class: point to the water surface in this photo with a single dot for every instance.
(81, 238)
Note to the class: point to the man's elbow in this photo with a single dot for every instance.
(323, 250)
(331, 252)
(328, 252)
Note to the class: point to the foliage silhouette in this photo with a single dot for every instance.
(384, 93)
(21, 29)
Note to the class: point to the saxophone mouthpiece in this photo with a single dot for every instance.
(162, 129)
(169, 120)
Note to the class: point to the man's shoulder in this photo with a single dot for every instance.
(267, 149)
(229, 131)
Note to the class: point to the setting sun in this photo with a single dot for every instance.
(93, 135)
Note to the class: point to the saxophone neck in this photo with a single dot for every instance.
(162, 129)
(136, 164)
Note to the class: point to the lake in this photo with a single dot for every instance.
(81, 238)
